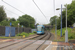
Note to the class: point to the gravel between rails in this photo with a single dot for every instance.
(24, 44)
(13, 43)
(42, 46)
(32, 42)
(39, 37)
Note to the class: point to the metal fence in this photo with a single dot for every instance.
(33, 30)
(2, 30)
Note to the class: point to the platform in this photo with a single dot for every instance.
(60, 46)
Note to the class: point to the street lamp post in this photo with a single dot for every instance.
(66, 32)
(18, 29)
(10, 30)
(61, 18)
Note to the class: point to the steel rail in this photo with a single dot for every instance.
(32, 42)
(14, 43)
(43, 42)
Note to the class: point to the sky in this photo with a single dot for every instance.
(28, 7)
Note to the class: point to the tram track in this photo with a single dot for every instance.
(35, 41)
(25, 43)
(26, 38)
(10, 43)
(48, 37)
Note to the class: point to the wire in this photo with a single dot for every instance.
(54, 6)
(39, 9)
(13, 7)
(12, 12)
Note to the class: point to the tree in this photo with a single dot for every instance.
(71, 13)
(12, 19)
(70, 16)
(37, 24)
(5, 23)
(27, 21)
(52, 20)
(2, 14)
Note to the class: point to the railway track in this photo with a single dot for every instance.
(30, 37)
(39, 46)
(9, 43)
(26, 43)
(47, 38)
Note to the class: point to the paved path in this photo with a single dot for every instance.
(60, 46)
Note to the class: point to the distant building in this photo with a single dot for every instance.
(74, 25)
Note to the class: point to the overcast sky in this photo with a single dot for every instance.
(28, 7)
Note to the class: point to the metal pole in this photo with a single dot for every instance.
(10, 31)
(61, 20)
(66, 32)
(66, 16)
(18, 30)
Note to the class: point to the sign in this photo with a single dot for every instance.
(10, 23)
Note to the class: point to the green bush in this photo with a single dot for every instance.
(23, 33)
(18, 34)
(26, 34)
(31, 33)
(71, 32)
(34, 32)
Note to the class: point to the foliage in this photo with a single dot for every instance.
(34, 32)
(2, 14)
(71, 13)
(31, 33)
(71, 32)
(15, 23)
(27, 21)
(52, 20)
(70, 16)
(12, 19)
(23, 33)
(37, 24)
(7, 23)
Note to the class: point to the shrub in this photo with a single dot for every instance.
(31, 33)
(23, 33)
(18, 34)
(34, 32)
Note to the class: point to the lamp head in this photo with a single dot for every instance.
(58, 9)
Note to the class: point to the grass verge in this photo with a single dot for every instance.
(71, 34)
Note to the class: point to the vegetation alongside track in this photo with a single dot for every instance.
(71, 34)
(26, 34)
(20, 35)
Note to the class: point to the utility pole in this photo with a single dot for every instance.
(66, 32)
(61, 20)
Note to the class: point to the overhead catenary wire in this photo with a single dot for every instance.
(11, 12)
(13, 7)
(39, 9)
(54, 6)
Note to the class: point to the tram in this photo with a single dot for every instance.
(40, 29)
